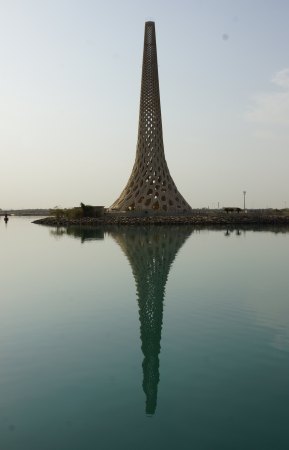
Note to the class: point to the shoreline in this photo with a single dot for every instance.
(201, 219)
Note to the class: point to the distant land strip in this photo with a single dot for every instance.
(25, 212)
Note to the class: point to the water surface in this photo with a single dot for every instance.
(134, 337)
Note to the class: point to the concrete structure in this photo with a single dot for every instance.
(151, 252)
(150, 187)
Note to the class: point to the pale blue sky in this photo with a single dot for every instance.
(70, 74)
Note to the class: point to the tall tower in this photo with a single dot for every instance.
(150, 187)
(151, 252)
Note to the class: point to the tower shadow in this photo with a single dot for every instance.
(151, 252)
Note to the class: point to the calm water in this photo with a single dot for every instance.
(136, 338)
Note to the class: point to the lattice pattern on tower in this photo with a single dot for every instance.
(150, 186)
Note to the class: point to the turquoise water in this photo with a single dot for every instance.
(143, 338)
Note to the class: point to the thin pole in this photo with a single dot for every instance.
(244, 193)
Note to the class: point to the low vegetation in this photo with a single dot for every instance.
(77, 212)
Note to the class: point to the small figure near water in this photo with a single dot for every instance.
(6, 218)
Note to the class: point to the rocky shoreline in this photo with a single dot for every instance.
(219, 219)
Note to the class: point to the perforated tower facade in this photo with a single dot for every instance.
(150, 186)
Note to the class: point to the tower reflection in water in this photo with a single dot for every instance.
(151, 251)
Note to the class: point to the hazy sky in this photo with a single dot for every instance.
(70, 74)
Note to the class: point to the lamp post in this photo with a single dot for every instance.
(244, 193)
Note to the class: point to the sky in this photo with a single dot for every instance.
(70, 76)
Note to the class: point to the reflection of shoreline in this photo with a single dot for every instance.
(84, 234)
(89, 232)
(212, 219)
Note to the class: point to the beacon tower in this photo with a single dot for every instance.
(150, 187)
